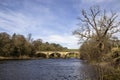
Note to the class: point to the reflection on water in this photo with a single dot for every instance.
(45, 69)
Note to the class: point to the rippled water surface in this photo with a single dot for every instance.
(45, 69)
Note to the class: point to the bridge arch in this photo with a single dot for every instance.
(71, 55)
(41, 55)
(55, 55)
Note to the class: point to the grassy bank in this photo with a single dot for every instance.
(109, 67)
(106, 71)
(19, 58)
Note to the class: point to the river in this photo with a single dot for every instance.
(45, 69)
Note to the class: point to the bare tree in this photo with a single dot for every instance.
(97, 24)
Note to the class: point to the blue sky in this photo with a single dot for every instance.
(49, 20)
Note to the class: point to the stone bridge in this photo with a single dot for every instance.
(58, 54)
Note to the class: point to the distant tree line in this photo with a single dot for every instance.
(18, 45)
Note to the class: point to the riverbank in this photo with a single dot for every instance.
(106, 71)
(18, 58)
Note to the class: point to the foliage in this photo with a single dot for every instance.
(96, 30)
(5, 45)
(97, 25)
(17, 45)
(89, 51)
(106, 72)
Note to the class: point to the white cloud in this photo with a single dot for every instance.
(40, 20)
(20, 23)
(69, 41)
(14, 22)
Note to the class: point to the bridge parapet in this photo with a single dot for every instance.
(62, 53)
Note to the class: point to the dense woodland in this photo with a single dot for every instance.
(18, 45)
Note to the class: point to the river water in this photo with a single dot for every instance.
(45, 69)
